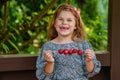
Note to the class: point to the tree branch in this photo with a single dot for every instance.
(6, 12)
(43, 12)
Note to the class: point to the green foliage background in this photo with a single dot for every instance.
(23, 23)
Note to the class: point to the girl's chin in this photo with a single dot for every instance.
(64, 34)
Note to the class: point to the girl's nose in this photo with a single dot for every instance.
(64, 22)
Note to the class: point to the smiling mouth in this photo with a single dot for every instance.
(64, 28)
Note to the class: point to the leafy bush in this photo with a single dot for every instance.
(24, 23)
(94, 14)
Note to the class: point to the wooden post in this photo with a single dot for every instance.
(114, 20)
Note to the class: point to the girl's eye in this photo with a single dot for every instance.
(69, 20)
(60, 19)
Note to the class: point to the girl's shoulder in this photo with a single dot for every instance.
(48, 43)
(85, 43)
(81, 41)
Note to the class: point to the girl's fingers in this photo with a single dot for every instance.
(48, 56)
(48, 53)
(89, 54)
(89, 51)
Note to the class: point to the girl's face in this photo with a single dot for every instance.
(65, 23)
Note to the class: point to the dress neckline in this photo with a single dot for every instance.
(63, 43)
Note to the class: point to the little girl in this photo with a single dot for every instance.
(67, 55)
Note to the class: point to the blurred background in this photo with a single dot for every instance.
(24, 23)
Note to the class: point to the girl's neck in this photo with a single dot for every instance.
(62, 40)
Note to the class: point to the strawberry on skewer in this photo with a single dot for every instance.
(71, 51)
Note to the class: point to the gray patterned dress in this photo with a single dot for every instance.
(67, 66)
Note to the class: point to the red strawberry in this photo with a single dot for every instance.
(80, 52)
(70, 51)
(66, 51)
(74, 50)
(60, 51)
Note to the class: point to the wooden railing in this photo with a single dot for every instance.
(23, 67)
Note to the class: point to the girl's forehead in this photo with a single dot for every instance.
(64, 13)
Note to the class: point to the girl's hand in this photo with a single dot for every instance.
(89, 55)
(48, 56)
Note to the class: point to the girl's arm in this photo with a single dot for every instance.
(49, 67)
(89, 60)
(90, 66)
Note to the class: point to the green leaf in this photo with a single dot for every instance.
(17, 31)
(13, 45)
(12, 36)
(5, 47)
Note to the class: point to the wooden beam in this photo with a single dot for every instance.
(104, 58)
(28, 62)
(22, 67)
(17, 62)
(115, 38)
